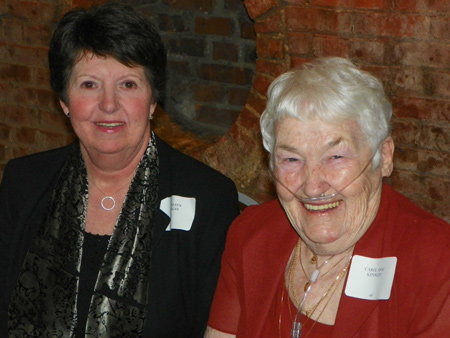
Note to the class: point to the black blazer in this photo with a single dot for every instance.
(185, 264)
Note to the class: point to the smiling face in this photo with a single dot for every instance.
(314, 158)
(109, 106)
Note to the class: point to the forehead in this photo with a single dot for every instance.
(89, 63)
(317, 134)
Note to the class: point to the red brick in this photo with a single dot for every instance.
(227, 74)
(256, 104)
(405, 132)
(14, 73)
(441, 84)
(32, 10)
(41, 77)
(249, 122)
(55, 121)
(172, 23)
(208, 93)
(233, 5)
(432, 162)
(217, 116)
(298, 61)
(16, 115)
(270, 47)
(422, 109)
(178, 67)
(256, 8)
(37, 34)
(440, 27)
(247, 30)
(271, 23)
(421, 5)
(203, 5)
(237, 96)
(368, 51)
(420, 53)
(330, 46)
(324, 20)
(87, 3)
(300, 43)
(213, 26)
(187, 46)
(271, 67)
(435, 137)
(23, 151)
(24, 55)
(262, 83)
(370, 4)
(408, 81)
(393, 25)
(4, 132)
(25, 135)
(225, 51)
(51, 140)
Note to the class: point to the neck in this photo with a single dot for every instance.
(323, 263)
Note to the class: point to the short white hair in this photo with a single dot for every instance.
(334, 90)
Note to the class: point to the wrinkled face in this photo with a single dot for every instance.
(314, 158)
(109, 105)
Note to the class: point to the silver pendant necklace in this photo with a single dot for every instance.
(107, 198)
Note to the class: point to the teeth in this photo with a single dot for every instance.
(322, 207)
(109, 125)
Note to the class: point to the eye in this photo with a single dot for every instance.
(129, 84)
(336, 157)
(88, 84)
(290, 159)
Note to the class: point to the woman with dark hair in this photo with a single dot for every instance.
(117, 234)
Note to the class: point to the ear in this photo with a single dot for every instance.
(152, 109)
(387, 156)
(64, 107)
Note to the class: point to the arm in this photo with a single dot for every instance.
(221, 209)
(212, 333)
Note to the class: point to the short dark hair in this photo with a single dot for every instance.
(112, 30)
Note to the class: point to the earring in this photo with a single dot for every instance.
(151, 117)
(68, 114)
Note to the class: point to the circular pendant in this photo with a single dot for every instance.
(105, 199)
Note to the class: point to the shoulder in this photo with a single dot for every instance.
(411, 232)
(260, 222)
(185, 172)
(409, 217)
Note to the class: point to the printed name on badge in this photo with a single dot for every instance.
(371, 278)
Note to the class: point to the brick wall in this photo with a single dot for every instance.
(406, 43)
(211, 57)
(29, 116)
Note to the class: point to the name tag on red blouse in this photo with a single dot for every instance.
(371, 278)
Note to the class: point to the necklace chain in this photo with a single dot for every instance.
(108, 197)
(297, 253)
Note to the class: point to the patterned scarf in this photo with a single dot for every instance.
(44, 301)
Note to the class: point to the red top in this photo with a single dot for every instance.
(247, 302)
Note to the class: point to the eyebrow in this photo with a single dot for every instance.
(334, 143)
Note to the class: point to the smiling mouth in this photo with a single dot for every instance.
(110, 125)
(322, 207)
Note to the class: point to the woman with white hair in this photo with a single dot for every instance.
(340, 253)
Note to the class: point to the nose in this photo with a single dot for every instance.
(315, 182)
(109, 102)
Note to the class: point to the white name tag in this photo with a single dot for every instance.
(181, 211)
(371, 278)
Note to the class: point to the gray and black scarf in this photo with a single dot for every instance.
(44, 302)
